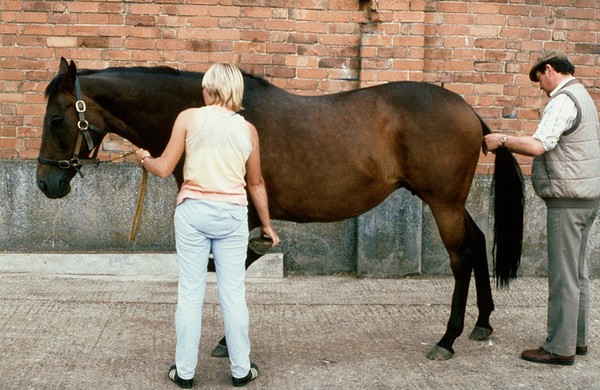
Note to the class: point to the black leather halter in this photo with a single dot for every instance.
(84, 128)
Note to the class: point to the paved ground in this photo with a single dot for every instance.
(74, 331)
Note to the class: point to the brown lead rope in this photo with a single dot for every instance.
(138, 208)
(140, 200)
(141, 195)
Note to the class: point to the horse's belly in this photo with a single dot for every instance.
(325, 201)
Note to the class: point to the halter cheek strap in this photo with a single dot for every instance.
(83, 125)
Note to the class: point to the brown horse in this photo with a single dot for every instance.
(324, 158)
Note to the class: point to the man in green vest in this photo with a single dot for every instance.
(566, 175)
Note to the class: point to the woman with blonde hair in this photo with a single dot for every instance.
(222, 159)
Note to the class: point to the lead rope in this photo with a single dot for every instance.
(140, 200)
(138, 208)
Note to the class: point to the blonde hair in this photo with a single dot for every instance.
(225, 84)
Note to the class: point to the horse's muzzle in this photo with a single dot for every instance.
(55, 185)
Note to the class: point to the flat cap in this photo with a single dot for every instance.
(545, 58)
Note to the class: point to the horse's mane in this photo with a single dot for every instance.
(52, 88)
(54, 84)
(131, 70)
(261, 81)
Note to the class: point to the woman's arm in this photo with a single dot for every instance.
(256, 187)
(164, 165)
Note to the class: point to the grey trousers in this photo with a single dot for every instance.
(568, 278)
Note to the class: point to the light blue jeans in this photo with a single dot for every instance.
(202, 227)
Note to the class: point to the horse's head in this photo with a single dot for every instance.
(70, 133)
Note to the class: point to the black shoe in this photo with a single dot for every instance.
(183, 383)
(252, 375)
(581, 350)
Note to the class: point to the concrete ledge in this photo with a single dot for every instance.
(142, 265)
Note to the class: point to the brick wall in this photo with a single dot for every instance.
(481, 49)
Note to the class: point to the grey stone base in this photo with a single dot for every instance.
(397, 238)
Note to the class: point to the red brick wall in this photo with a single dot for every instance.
(480, 49)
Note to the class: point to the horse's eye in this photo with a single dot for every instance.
(56, 120)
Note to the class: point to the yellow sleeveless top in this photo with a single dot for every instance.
(216, 152)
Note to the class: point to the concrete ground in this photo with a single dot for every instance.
(112, 327)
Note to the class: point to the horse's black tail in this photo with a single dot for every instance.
(507, 194)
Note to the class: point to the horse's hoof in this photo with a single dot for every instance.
(260, 245)
(220, 351)
(480, 334)
(440, 353)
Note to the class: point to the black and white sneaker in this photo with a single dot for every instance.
(252, 375)
(183, 383)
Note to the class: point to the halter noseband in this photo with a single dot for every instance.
(84, 128)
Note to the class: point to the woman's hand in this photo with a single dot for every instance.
(268, 231)
(140, 155)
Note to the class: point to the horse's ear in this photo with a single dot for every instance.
(69, 71)
(72, 69)
(64, 66)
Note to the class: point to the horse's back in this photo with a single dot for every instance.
(336, 156)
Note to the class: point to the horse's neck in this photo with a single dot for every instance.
(142, 109)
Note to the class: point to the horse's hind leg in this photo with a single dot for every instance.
(457, 237)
